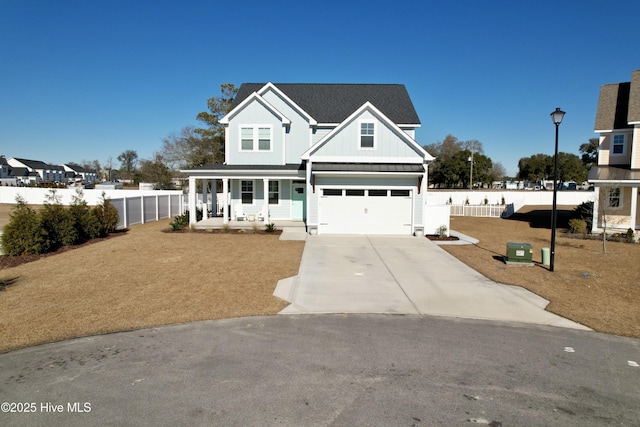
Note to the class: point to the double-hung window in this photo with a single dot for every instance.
(367, 135)
(255, 138)
(614, 198)
(618, 144)
(246, 192)
(274, 192)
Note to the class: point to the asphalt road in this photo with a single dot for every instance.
(338, 370)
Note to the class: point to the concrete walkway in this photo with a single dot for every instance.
(408, 275)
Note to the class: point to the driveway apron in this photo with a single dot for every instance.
(403, 275)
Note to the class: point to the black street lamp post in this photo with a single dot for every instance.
(556, 116)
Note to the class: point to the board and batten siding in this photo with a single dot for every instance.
(255, 114)
(346, 143)
(298, 137)
(280, 211)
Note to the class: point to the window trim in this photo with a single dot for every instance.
(256, 137)
(253, 191)
(277, 192)
(619, 197)
(623, 144)
(360, 134)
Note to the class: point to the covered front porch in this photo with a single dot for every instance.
(218, 223)
(616, 204)
(247, 196)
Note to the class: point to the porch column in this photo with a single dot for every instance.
(214, 197)
(265, 208)
(192, 200)
(634, 208)
(596, 208)
(225, 191)
(204, 199)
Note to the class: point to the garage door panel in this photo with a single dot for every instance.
(363, 211)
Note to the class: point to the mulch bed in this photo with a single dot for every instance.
(223, 231)
(437, 238)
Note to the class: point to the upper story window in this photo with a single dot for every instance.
(367, 135)
(618, 145)
(255, 138)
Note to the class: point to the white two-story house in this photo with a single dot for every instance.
(341, 157)
(616, 178)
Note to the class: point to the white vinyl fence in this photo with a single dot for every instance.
(477, 210)
(134, 206)
(501, 203)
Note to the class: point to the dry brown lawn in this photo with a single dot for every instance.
(143, 278)
(146, 278)
(608, 300)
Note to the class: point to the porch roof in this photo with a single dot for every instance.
(368, 167)
(296, 170)
(614, 175)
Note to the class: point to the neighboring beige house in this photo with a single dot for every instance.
(616, 177)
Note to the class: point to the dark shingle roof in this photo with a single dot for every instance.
(332, 103)
(613, 106)
(634, 97)
(33, 164)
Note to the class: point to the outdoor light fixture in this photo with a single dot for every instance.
(556, 116)
(470, 159)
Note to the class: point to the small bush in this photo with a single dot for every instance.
(502, 201)
(180, 221)
(270, 228)
(85, 221)
(23, 234)
(58, 223)
(442, 231)
(578, 226)
(584, 211)
(106, 216)
(254, 228)
(630, 235)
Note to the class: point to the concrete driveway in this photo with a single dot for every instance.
(403, 275)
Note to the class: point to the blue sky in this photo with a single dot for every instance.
(85, 80)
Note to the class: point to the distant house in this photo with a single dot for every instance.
(616, 177)
(76, 173)
(5, 174)
(4, 167)
(44, 171)
(341, 157)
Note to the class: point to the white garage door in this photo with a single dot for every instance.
(365, 211)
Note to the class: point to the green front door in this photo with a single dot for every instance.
(298, 202)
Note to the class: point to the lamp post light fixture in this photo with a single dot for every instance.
(470, 159)
(556, 116)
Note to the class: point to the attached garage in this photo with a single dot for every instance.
(357, 210)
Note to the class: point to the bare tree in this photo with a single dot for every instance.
(609, 198)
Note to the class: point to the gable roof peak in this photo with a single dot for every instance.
(334, 102)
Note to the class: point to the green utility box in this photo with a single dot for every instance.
(521, 253)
